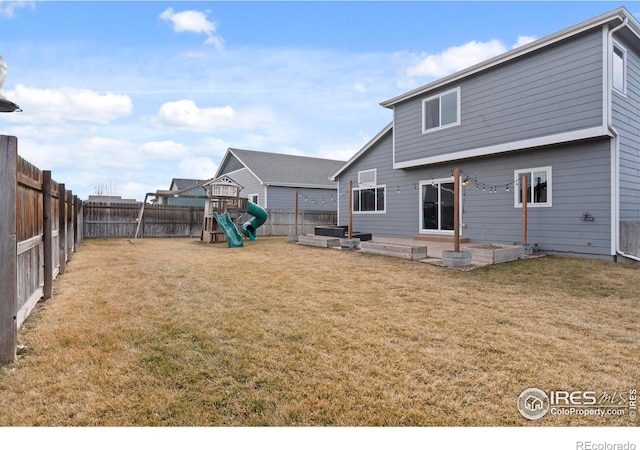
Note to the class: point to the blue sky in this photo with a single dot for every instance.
(132, 94)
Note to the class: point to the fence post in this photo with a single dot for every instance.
(46, 234)
(8, 249)
(77, 221)
(75, 224)
(62, 228)
(69, 224)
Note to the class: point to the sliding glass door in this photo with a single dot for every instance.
(436, 206)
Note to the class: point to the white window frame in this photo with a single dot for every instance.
(426, 130)
(622, 50)
(366, 186)
(517, 174)
(250, 197)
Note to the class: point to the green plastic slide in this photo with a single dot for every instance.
(259, 217)
(234, 238)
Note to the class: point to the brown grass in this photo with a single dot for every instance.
(174, 332)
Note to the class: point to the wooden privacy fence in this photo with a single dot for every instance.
(39, 231)
(630, 238)
(118, 220)
(281, 222)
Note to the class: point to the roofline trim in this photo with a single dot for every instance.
(363, 150)
(619, 13)
(298, 185)
(571, 136)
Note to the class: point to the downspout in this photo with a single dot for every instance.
(615, 207)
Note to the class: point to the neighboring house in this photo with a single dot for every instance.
(271, 179)
(110, 199)
(562, 110)
(182, 192)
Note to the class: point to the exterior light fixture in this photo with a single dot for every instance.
(6, 105)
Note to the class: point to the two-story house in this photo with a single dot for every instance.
(561, 111)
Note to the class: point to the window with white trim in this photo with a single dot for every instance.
(441, 111)
(368, 197)
(538, 187)
(619, 68)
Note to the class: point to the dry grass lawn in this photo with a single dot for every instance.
(173, 332)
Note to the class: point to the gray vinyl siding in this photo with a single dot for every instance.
(580, 183)
(232, 164)
(627, 122)
(400, 218)
(554, 90)
(284, 198)
(250, 184)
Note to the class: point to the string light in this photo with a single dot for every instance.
(467, 180)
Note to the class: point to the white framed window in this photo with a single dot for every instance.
(538, 187)
(441, 111)
(369, 199)
(619, 68)
(253, 198)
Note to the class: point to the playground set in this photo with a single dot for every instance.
(224, 210)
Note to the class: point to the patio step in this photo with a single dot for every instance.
(403, 251)
(422, 237)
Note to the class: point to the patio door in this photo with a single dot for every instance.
(436, 206)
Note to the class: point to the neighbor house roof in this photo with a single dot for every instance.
(276, 169)
(181, 184)
(615, 17)
(176, 191)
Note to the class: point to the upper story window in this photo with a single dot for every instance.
(441, 111)
(619, 62)
(538, 187)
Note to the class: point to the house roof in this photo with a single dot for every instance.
(617, 16)
(184, 183)
(177, 191)
(363, 150)
(276, 169)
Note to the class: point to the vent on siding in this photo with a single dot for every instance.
(367, 178)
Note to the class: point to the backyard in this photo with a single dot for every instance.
(174, 332)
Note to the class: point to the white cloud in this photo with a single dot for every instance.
(454, 58)
(360, 87)
(450, 60)
(65, 104)
(164, 150)
(197, 168)
(194, 22)
(7, 8)
(108, 152)
(186, 115)
(523, 40)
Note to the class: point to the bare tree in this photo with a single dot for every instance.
(105, 189)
